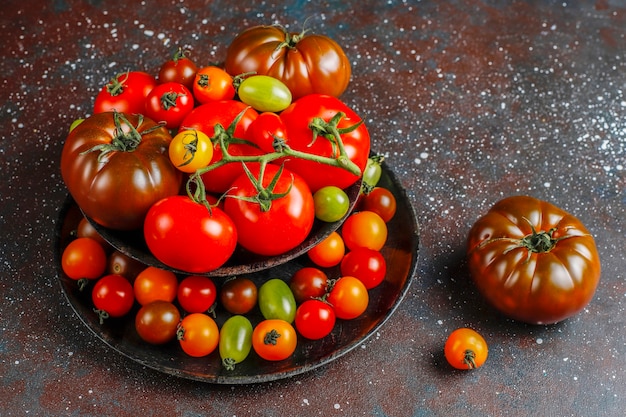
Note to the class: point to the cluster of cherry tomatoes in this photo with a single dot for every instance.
(268, 319)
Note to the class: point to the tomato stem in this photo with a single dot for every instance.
(222, 137)
(271, 337)
(469, 359)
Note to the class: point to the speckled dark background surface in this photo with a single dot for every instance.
(470, 101)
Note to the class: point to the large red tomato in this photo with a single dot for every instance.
(533, 261)
(116, 166)
(298, 119)
(306, 63)
(278, 228)
(204, 118)
(185, 235)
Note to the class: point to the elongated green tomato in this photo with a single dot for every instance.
(372, 173)
(264, 93)
(235, 341)
(276, 300)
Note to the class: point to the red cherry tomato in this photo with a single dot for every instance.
(169, 103)
(113, 296)
(196, 294)
(368, 265)
(180, 69)
(126, 93)
(315, 319)
(307, 283)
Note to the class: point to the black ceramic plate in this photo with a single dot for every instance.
(241, 262)
(400, 253)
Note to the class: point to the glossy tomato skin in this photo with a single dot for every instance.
(368, 265)
(274, 339)
(224, 112)
(126, 93)
(267, 128)
(180, 69)
(307, 283)
(281, 228)
(169, 103)
(306, 63)
(315, 319)
(297, 119)
(118, 190)
(184, 235)
(114, 295)
(276, 301)
(235, 341)
(239, 295)
(196, 294)
(84, 257)
(465, 349)
(157, 321)
(533, 287)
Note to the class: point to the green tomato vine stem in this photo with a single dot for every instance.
(223, 137)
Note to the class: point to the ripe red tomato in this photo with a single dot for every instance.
(364, 229)
(198, 335)
(533, 261)
(368, 265)
(265, 130)
(379, 200)
(196, 294)
(349, 298)
(329, 252)
(213, 84)
(155, 284)
(112, 296)
(126, 93)
(204, 118)
(279, 227)
(180, 69)
(315, 319)
(184, 235)
(157, 322)
(116, 166)
(307, 283)
(299, 118)
(306, 63)
(465, 349)
(83, 258)
(170, 103)
(239, 295)
(274, 339)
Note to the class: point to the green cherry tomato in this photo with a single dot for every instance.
(264, 93)
(331, 203)
(76, 123)
(276, 300)
(372, 173)
(235, 341)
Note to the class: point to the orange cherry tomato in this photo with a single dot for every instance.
(274, 339)
(329, 252)
(84, 258)
(349, 298)
(465, 349)
(364, 229)
(155, 284)
(198, 335)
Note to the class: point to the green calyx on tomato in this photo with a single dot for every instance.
(117, 84)
(223, 137)
(125, 140)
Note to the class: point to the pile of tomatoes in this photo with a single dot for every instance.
(201, 159)
(205, 159)
(270, 319)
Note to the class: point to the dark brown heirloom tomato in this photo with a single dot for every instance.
(533, 261)
(305, 63)
(116, 166)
